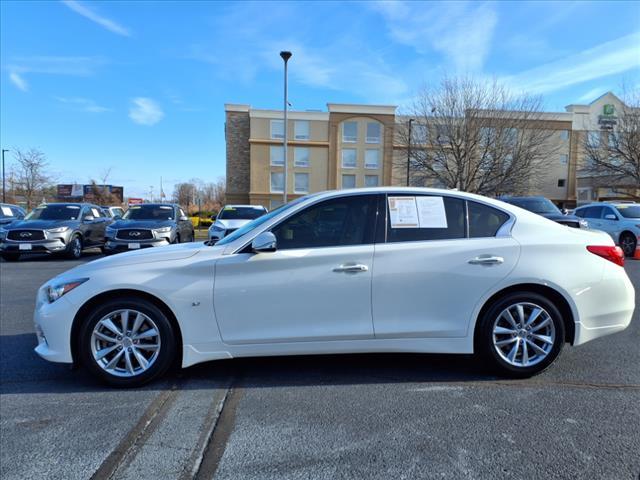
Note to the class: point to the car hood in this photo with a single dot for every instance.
(118, 224)
(231, 224)
(43, 224)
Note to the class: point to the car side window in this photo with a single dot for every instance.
(455, 224)
(19, 214)
(608, 211)
(484, 221)
(579, 213)
(181, 213)
(336, 222)
(593, 212)
(96, 212)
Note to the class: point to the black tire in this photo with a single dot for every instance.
(165, 356)
(74, 248)
(484, 339)
(628, 243)
(11, 257)
(177, 239)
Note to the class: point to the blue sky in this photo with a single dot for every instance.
(140, 87)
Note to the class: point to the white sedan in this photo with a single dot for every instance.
(367, 270)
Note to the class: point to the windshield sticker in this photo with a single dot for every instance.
(431, 213)
(95, 212)
(7, 211)
(162, 207)
(403, 212)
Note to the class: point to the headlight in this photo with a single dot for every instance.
(584, 223)
(54, 292)
(162, 229)
(58, 230)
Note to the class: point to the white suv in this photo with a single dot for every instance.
(620, 220)
(231, 218)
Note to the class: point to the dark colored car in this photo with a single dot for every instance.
(10, 213)
(65, 228)
(114, 212)
(546, 208)
(149, 225)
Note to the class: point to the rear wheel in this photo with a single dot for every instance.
(628, 243)
(521, 334)
(11, 257)
(127, 342)
(74, 248)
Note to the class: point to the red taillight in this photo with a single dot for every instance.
(613, 254)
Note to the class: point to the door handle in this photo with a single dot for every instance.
(486, 260)
(351, 268)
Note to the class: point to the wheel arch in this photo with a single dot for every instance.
(115, 294)
(552, 294)
(626, 231)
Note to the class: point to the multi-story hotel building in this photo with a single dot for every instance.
(353, 146)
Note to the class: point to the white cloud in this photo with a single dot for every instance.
(461, 31)
(94, 17)
(145, 111)
(18, 81)
(610, 58)
(84, 104)
(54, 65)
(592, 94)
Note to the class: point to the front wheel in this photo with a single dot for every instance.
(74, 248)
(628, 243)
(521, 334)
(127, 342)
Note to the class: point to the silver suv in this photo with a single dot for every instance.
(620, 220)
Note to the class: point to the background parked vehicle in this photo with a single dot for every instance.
(620, 220)
(65, 228)
(10, 213)
(149, 225)
(114, 212)
(547, 209)
(231, 218)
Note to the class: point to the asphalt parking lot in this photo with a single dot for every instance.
(352, 416)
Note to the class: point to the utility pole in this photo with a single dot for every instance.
(285, 56)
(409, 151)
(4, 187)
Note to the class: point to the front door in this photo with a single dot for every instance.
(316, 286)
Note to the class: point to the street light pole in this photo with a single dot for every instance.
(4, 187)
(285, 56)
(409, 151)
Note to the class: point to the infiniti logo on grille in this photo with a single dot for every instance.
(25, 234)
(134, 234)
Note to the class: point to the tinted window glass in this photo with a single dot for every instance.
(593, 212)
(55, 212)
(149, 212)
(608, 211)
(579, 213)
(454, 210)
(336, 222)
(484, 221)
(629, 211)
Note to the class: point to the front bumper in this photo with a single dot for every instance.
(117, 245)
(38, 246)
(53, 323)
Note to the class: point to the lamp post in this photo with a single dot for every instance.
(409, 151)
(4, 188)
(285, 56)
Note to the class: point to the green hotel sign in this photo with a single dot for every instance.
(608, 110)
(608, 119)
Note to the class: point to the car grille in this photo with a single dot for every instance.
(134, 234)
(25, 235)
(229, 231)
(570, 223)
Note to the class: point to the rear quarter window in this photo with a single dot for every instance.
(484, 221)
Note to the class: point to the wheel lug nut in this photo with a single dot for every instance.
(119, 338)
(129, 349)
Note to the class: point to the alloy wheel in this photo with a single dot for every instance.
(628, 245)
(125, 343)
(523, 334)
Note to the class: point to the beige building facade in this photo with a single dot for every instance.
(353, 146)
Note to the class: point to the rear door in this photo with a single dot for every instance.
(434, 267)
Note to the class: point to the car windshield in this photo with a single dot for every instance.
(149, 212)
(55, 212)
(629, 211)
(241, 213)
(259, 221)
(6, 212)
(535, 205)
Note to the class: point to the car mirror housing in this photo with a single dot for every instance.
(265, 242)
(183, 218)
(88, 218)
(610, 216)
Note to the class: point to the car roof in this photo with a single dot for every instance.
(155, 205)
(606, 204)
(236, 205)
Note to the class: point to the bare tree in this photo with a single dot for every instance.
(31, 178)
(184, 194)
(476, 137)
(612, 157)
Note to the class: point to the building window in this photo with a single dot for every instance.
(372, 158)
(442, 133)
(373, 132)
(487, 135)
(507, 163)
(564, 159)
(371, 180)
(301, 183)
(301, 156)
(350, 132)
(277, 182)
(419, 133)
(593, 138)
(561, 182)
(277, 129)
(274, 203)
(302, 129)
(564, 134)
(276, 155)
(613, 140)
(349, 156)
(511, 135)
(348, 181)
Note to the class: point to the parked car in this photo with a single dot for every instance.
(366, 270)
(620, 220)
(149, 225)
(547, 209)
(10, 213)
(114, 212)
(231, 218)
(65, 228)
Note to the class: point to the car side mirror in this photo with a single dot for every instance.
(565, 211)
(213, 218)
(265, 242)
(610, 216)
(183, 218)
(88, 218)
